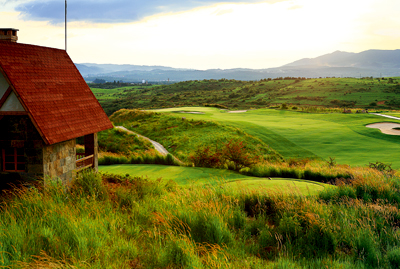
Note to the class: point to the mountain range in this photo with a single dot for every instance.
(368, 63)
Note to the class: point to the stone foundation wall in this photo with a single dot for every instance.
(59, 160)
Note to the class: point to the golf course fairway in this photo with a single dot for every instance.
(344, 137)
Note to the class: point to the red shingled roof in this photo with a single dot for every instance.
(57, 98)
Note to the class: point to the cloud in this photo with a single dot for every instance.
(295, 7)
(106, 11)
(223, 12)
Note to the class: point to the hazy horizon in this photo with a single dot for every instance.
(206, 34)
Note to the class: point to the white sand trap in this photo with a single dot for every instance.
(238, 111)
(386, 127)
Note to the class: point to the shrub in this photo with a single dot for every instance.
(331, 162)
(318, 241)
(290, 226)
(109, 160)
(205, 157)
(366, 250)
(382, 167)
(267, 243)
(180, 252)
(338, 193)
(89, 184)
(144, 159)
(203, 227)
(238, 219)
(216, 105)
(394, 257)
(235, 151)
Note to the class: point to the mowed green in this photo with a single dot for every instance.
(189, 176)
(305, 135)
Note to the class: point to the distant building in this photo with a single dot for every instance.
(45, 104)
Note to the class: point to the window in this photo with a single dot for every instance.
(13, 160)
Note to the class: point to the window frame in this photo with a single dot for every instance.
(15, 162)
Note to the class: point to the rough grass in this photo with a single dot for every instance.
(190, 176)
(114, 221)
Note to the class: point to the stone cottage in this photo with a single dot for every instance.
(45, 104)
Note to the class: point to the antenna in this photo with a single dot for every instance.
(65, 25)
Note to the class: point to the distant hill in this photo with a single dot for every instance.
(88, 69)
(337, 64)
(370, 59)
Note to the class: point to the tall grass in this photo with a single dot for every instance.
(110, 221)
(144, 159)
(314, 170)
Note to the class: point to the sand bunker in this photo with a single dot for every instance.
(386, 127)
(238, 111)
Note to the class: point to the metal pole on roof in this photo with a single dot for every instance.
(65, 25)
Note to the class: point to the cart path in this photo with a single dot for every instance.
(160, 148)
(386, 116)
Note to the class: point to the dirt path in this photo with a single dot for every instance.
(160, 148)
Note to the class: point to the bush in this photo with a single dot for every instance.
(290, 227)
(338, 193)
(394, 257)
(205, 157)
(318, 241)
(235, 151)
(89, 184)
(366, 249)
(203, 227)
(382, 167)
(180, 252)
(144, 159)
(233, 156)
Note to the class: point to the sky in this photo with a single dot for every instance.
(205, 34)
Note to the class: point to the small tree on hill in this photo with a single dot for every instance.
(236, 152)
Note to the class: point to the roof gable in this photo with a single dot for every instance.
(12, 104)
(50, 88)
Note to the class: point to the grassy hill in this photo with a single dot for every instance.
(233, 94)
(310, 135)
(184, 137)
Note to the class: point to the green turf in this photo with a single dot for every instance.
(303, 135)
(188, 176)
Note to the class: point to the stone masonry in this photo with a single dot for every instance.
(59, 161)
